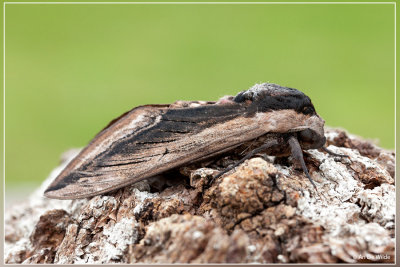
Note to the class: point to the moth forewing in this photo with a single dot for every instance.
(152, 139)
(121, 156)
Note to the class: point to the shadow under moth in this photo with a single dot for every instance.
(151, 139)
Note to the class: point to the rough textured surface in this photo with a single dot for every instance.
(264, 211)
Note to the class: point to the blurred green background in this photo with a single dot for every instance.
(70, 69)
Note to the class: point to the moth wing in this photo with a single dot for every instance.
(76, 176)
(149, 140)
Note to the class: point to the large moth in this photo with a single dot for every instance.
(152, 139)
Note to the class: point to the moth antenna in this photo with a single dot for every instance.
(297, 154)
(249, 155)
(333, 153)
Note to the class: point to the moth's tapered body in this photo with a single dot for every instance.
(152, 139)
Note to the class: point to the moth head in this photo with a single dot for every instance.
(312, 135)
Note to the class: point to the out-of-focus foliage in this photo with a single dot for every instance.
(70, 69)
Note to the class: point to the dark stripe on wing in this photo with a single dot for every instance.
(172, 125)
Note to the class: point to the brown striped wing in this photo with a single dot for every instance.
(149, 140)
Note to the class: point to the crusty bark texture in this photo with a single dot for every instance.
(265, 211)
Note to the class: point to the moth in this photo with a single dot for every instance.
(151, 139)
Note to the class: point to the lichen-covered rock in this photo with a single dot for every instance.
(265, 211)
(203, 241)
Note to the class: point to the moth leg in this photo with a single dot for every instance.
(333, 153)
(249, 155)
(247, 148)
(297, 154)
